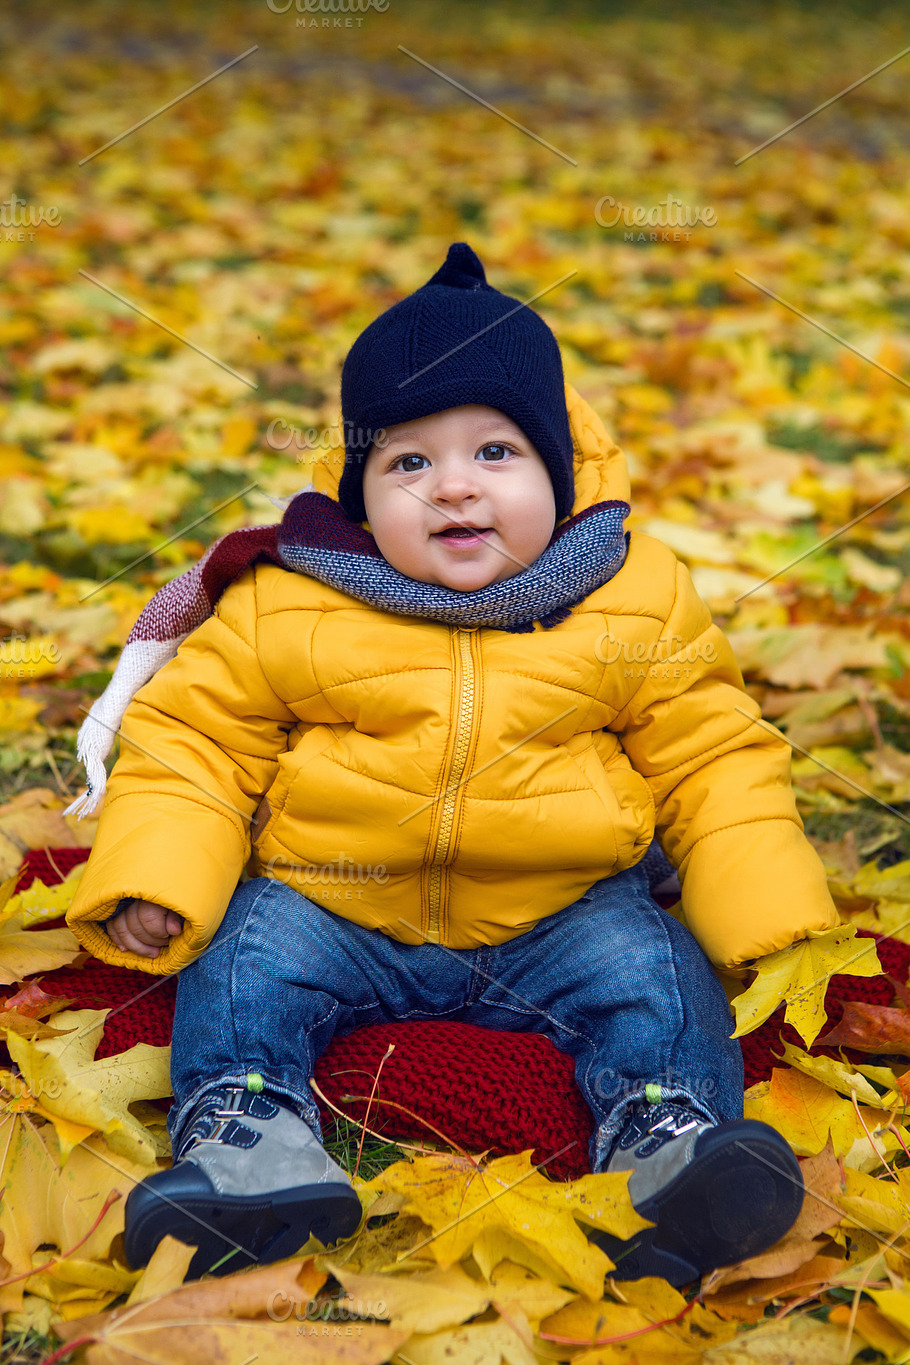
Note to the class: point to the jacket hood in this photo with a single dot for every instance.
(601, 472)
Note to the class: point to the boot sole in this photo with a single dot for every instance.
(247, 1230)
(739, 1195)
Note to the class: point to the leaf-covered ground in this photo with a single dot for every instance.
(742, 329)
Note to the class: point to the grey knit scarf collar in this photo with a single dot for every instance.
(315, 538)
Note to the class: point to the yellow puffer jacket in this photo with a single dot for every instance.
(452, 784)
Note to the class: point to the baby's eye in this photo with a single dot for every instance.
(403, 463)
(498, 452)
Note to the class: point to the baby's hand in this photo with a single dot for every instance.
(143, 927)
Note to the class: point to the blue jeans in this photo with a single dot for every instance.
(612, 980)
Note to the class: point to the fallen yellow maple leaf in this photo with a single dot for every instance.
(653, 1323)
(73, 1088)
(794, 1339)
(877, 1205)
(885, 883)
(236, 1341)
(511, 1283)
(35, 1315)
(266, 1314)
(430, 1301)
(49, 1204)
(374, 1250)
(22, 1101)
(873, 1327)
(496, 1246)
(74, 1285)
(34, 819)
(461, 1200)
(480, 1343)
(39, 902)
(165, 1271)
(800, 975)
(23, 952)
(839, 1076)
(425, 1302)
(283, 1291)
(894, 1304)
(806, 1112)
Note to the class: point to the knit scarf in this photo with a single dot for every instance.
(315, 537)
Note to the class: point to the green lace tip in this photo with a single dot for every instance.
(254, 1082)
(652, 1094)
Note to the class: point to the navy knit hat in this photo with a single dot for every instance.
(456, 340)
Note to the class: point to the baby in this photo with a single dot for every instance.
(487, 703)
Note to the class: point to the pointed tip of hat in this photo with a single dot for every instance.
(462, 269)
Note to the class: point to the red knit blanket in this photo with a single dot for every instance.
(480, 1088)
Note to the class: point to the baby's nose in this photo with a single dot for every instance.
(455, 482)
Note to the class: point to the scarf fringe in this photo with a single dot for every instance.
(559, 614)
(138, 662)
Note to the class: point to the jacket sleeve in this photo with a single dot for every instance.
(199, 748)
(726, 814)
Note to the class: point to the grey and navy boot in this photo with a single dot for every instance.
(249, 1183)
(717, 1193)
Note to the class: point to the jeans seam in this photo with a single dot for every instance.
(317, 1023)
(264, 891)
(680, 1008)
(477, 980)
(432, 1014)
(558, 1024)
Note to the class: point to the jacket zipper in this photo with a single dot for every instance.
(465, 708)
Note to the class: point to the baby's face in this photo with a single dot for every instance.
(461, 498)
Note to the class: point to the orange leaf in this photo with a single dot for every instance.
(745, 1300)
(871, 1028)
(31, 1000)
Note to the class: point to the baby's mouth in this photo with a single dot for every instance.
(466, 533)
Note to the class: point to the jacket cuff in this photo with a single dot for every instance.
(179, 854)
(751, 889)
